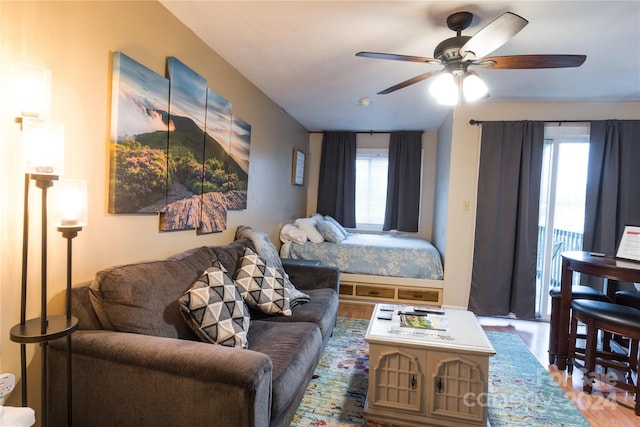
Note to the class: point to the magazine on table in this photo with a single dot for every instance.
(424, 321)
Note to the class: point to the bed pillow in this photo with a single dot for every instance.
(339, 226)
(316, 217)
(329, 231)
(291, 233)
(309, 227)
(215, 310)
(262, 286)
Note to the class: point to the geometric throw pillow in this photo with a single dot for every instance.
(269, 253)
(262, 286)
(214, 309)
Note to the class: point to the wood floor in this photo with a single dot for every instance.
(608, 406)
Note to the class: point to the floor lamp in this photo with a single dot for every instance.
(43, 141)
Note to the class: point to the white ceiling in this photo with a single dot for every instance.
(302, 54)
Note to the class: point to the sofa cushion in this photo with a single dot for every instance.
(231, 254)
(143, 297)
(321, 310)
(294, 349)
(214, 309)
(261, 285)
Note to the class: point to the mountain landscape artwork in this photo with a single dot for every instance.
(139, 129)
(239, 153)
(187, 112)
(176, 148)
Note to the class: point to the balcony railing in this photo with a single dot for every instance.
(570, 241)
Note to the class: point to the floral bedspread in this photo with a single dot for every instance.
(375, 254)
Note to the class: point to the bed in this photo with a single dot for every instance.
(373, 254)
(373, 267)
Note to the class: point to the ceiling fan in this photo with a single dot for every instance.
(459, 53)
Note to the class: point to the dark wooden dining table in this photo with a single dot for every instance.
(608, 267)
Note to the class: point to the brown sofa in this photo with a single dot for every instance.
(137, 363)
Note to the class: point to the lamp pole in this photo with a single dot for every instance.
(69, 232)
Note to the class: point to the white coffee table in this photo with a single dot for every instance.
(423, 377)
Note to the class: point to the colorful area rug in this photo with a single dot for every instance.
(521, 391)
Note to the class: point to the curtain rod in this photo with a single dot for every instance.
(479, 122)
(371, 132)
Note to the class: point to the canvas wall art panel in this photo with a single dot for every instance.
(216, 160)
(239, 163)
(187, 107)
(138, 141)
(176, 148)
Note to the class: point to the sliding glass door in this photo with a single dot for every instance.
(562, 200)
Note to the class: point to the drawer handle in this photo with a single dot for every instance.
(413, 382)
(440, 385)
(374, 293)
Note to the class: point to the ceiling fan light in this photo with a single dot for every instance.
(473, 88)
(444, 89)
(448, 99)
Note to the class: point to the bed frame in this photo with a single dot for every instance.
(372, 289)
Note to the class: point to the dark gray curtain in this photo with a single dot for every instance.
(504, 261)
(337, 185)
(403, 181)
(613, 184)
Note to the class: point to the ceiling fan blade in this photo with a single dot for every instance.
(395, 57)
(409, 82)
(492, 36)
(520, 62)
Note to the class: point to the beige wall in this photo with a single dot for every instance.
(75, 41)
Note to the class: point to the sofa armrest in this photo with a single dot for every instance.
(174, 382)
(312, 276)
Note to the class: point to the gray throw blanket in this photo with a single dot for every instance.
(268, 251)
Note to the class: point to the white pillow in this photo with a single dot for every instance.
(307, 225)
(291, 233)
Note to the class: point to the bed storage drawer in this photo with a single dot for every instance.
(375, 291)
(356, 291)
(346, 288)
(424, 295)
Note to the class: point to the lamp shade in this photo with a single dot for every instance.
(43, 142)
(30, 90)
(444, 89)
(71, 203)
(474, 88)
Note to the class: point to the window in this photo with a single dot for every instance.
(371, 187)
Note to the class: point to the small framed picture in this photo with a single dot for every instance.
(630, 244)
(297, 169)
